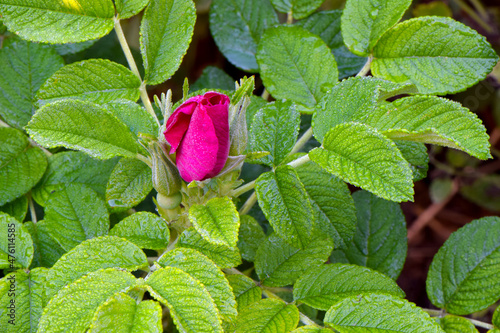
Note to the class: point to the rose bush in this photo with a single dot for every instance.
(198, 132)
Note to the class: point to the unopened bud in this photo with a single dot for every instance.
(166, 178)
(238, 133)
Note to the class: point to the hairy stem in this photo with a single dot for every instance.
(366, 67)
(302, 141)
(144, 159)
(242, 189)
(133, 67)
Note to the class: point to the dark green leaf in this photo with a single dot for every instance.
(298, 8)
(251, 236)
(17, 208)
(416, 155)
(16, 245)
(213, 77)
(46, 249)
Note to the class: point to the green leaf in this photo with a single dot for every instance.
(256, 103)
(237, 26)
(166, 30)
(144, 229)
(46, 249)
(94, 80)
(326, 285)
(137, 119)
(268, 315)
(444, 56)
(72, 48)
(17, 208)
(351, 100)
(72, 309)
(245, 290)
(53, 21)
(364, 22)
(379, 313)
(25, 67)
(416, 155)
(496, 317)
(431, 119)
(483, 191)
(83, 126)
(279, 264)
(129, 8)
(16, 245)
(284, 201)
(296, 65)
(326, 24)
(298, 8)
(74, 214)
(122, 314)
(217, 221)
(21, 165)
(311, 329)
(71, 167)
(251, 236)
(275, 128)
(222, 256)
(362, 156)
(332, 203)
(90, 256)
(190, 304)
(129, 184)
(28, 297)
(213, 77)
(454, 324)
(205, 271)
(464, 275)
(380, 240)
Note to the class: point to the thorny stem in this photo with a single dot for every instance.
(366, 67)
(442, 313)
(133, 67)
(302, 141)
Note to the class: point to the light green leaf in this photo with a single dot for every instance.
(217, 221)
(496, 317)
(269, 315)
(379, 313)
(16, 245)
(431, 119)
(326, 285)
(17, 208)
(416, 155)
(464, 276)
(326, 24)
(46, 249)
(94, 80)
(53, 21)
(74, 214)
(284, 202)
(454, 324)
(296, 65)
(90, 256)
(222, 256)
(190, 304)
(72, 309)
(437, 54)
(28, 306)
(275, 128)
(251, 236)
(256, 103)
(137, 119)
(245, 290)
(129, 184)
(332, 203)
(365, 21)
(298, 8)
(237, 26)
(129, 8)
(360, 155)
(213, 77)
(83, 126)
(279, 264)
(122, 314)
(166, 30)
(380, 240)
(311, 329)
(205, 271)
(144, 229)
(71, 167)
(21, 165)
(25, 66)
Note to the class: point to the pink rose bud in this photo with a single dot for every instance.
(198, 131)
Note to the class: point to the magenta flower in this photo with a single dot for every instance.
(198, 131)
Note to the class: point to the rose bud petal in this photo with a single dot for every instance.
(198, 131)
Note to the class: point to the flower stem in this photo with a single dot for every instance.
(248, 204)
(242, 189)
(302, 141)
(366, 67)
(133, 67)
